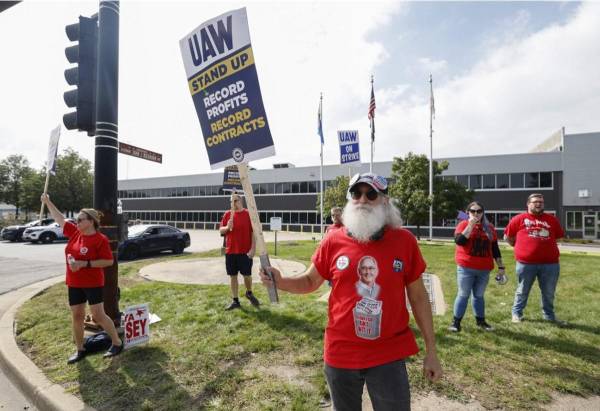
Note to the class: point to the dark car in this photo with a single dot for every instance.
(154, 238)
(15, 232)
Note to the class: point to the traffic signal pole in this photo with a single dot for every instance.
(107, 144)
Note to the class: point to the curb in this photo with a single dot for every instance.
(43, 393)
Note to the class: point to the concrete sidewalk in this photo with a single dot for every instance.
(44, 394)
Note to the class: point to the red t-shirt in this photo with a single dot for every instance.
(239, 240)
(368, 324)
(85, 247)
(535, 238)
(333, 227)
(477, 252)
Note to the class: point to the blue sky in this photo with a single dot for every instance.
(506, 76)
(457, 33)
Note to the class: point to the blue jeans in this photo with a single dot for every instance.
(470, 281)
(547, 275)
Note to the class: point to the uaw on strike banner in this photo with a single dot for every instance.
(349, 149)
(222, 79)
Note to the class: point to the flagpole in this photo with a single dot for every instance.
(372, 129)
(321, 169)
(431, 158)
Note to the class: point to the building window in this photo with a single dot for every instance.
(474, 182)
(502, 181)
(502, 219)
(516, 180)
(532, 180)
(546, 180)
(489, 181)
(574, 220)
(464, 180)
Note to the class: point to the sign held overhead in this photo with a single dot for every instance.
(222, 79)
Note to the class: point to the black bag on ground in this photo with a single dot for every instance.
(97, 342)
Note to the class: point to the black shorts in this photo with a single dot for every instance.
(81, 295)
(235, 263)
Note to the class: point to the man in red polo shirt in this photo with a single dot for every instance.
(336, 217)
(533, 235)
(367, 338)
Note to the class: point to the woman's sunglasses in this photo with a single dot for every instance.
(371, 195)
(480, 211)
(79, 219)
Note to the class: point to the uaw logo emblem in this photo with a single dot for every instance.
(342, 262)
(397, 265)
(238, 154)
(83, 250)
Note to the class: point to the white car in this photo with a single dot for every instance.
(45, 234)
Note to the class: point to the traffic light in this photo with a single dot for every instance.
(83, 75)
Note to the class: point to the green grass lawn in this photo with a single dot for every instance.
(201, 357)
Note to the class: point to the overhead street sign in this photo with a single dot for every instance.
(139, 152)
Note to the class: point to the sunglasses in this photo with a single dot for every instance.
(479, 211)
(79, 219)
(357, 195)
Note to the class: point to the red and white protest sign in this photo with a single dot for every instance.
(136, 324)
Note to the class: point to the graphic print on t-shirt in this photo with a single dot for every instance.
(537, 228)
(367, 312)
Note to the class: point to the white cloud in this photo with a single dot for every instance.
(510, 101)
(521, 91)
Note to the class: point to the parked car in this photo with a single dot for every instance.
(15, 232)
(153, 238)
(45, 234)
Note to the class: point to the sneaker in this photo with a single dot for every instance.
(253, 300)
(113, 351)
(484, 326)
(234, 304)
(455, 327)
(556, 321)
(516, 318)
(78, 356)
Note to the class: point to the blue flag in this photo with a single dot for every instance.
(320, 121)
(462, 215)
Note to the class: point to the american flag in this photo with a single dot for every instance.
(372, 105)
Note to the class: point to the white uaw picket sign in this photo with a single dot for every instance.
(433, 286)
(136, 325)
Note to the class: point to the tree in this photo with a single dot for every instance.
(33, 186)
(71, 189)
(13, 171)
(410, 191)
(334, 195)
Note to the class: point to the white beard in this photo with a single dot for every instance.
(363, 221)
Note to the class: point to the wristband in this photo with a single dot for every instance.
(89, 264)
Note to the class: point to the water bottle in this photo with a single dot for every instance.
(70, 259)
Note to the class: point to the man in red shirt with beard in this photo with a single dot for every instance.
(367, 338)
(533, 235)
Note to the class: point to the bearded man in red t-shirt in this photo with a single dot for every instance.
(533, 235)
(373, 264)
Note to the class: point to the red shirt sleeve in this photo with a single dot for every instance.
(104, 252)
(558, 230)
(512, 227)
(321, 259)
(418, 265)
(69, 229)
(225, 218)
(460, 227)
